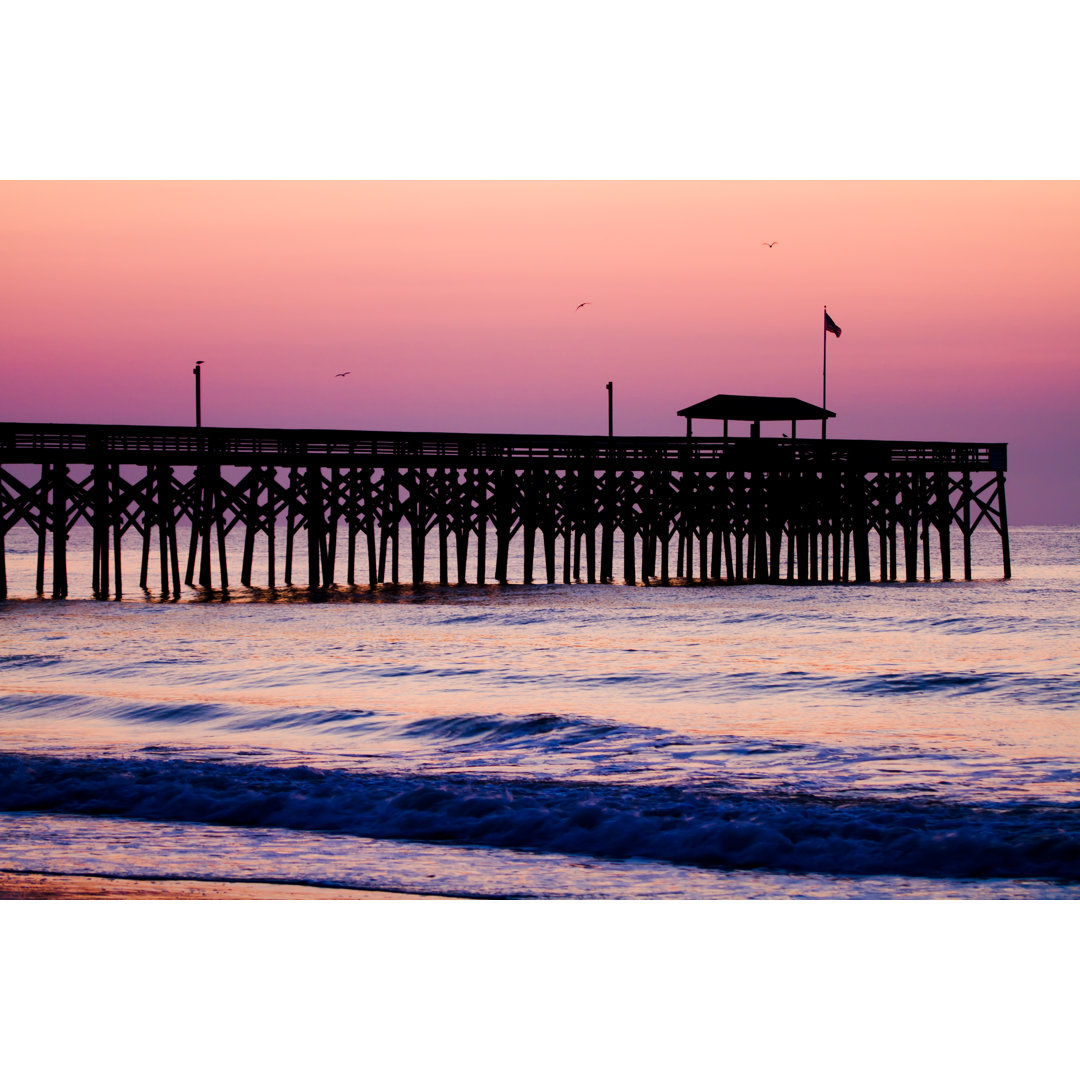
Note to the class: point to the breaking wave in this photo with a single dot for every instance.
(699, 826)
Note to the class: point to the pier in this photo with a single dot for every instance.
(375, 507)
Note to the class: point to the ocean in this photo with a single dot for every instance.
(555, 741)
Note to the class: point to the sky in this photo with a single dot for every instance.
(454, 306)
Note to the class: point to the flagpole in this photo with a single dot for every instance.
(824, 357)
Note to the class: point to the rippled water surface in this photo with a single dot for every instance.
(896, 740)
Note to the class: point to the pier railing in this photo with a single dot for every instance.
(88, 443)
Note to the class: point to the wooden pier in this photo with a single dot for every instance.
(637, 510)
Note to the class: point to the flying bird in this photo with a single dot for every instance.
(766, 243)
(342, 374)
(584, 303)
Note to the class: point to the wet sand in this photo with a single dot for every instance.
(18, 886)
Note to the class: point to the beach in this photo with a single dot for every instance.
(28, 886)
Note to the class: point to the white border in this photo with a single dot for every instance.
(566, 89)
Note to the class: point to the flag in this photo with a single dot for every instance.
(830, 326)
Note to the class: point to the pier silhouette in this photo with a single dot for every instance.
(722, 510)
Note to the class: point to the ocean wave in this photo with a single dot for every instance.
(1056, 690)
(1052, 689)
(698, 826)
(552, 729)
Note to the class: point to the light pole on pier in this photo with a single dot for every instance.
(197, 369)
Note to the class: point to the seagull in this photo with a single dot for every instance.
(765, 243)
(342, 374)
(583, 304)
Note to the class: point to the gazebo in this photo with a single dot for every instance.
(755, 409)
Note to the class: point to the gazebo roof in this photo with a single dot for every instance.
(749, 407)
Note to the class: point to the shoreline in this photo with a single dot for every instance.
(27, 885)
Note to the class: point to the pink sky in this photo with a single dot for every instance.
(453, 305)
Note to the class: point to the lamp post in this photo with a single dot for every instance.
(197, 370)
